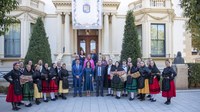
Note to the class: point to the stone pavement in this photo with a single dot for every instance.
(186, 101)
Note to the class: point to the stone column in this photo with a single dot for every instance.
(75, 41)
(25, 35)
(67, 34)
(59, 32)
(114, 37)
(146, 38)
(106, 40)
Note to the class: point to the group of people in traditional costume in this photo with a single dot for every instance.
(34, 82)
(89, 73)
(122, 79)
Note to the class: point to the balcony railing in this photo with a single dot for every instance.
(157, 3)
(140, 4)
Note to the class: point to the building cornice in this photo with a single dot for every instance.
(67, 3)
(111, 3)
(31, 10)
(61, 3)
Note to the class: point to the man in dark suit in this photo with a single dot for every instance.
(77, 73)
(99, 78)
(94, 57)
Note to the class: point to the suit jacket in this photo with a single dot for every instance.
(96, 72)
(94, 57)
(78, 72)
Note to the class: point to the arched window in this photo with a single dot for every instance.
(92, 45)
(83, 45)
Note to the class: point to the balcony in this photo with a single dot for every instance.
(153, 4)
(35, 4)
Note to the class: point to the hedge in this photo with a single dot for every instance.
(193, 75)
(3, 89)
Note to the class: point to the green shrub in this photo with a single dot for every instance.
(194, 74)
(3, 89)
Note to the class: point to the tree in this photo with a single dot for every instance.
(130, 45)
(6, 6)
(192, 12)
(39, 47)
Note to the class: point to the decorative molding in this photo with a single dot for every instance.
(51, 16)
(158, 18)
(113, 13)
(31, 10)
(106, 13)
(68, 3)
(111, 4)
(61, 3)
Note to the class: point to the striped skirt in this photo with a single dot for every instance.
(117, 86)
(132, 87)
(28, 91)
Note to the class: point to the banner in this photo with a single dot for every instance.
(87, 14)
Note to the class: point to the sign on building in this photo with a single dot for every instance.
(87, 14)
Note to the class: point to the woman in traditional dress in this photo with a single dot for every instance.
(14, 94)
(117, 84)
(28, 87)
(30, 62)
(63, 81)
(53, 87)
(148, 62)
(131, 84)
(45, 82)
(143, 81)
(88, 78)
(168, 86)
(154, 85)
(37, 84)
(125, 67)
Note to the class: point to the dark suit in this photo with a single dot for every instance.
(77, 81)
(99, 78)
(95, 58)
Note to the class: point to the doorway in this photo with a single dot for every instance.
(87, 41)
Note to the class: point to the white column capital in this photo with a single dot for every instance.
(58, 12)
(67, 13)
(113, 13)
(106, 13)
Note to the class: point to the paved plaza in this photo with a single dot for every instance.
(186, 101)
